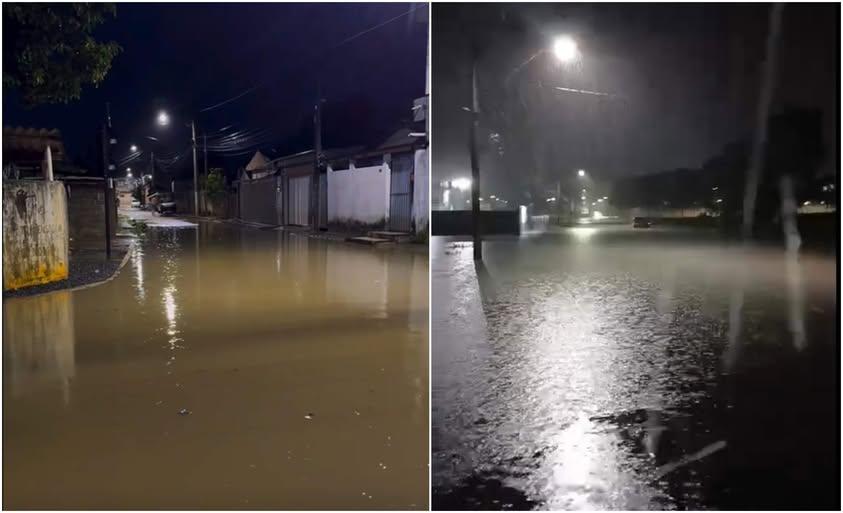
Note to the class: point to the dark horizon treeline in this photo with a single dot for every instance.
(793, 147)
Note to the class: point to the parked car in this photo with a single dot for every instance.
(641, 222)
(165, 205)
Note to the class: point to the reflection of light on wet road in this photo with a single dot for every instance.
(137, 262)
(571, 372)
(168, 299)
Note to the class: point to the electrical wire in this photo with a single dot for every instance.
(329, 49)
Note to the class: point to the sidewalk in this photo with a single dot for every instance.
(87, 267)
(151, 219)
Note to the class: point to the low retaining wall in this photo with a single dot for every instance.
(492, 222)
(35, 233)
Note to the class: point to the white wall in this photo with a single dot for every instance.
(358, 194)
(421, 191)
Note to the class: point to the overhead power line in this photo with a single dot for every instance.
(332, 48)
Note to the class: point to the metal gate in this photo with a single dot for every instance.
(401, 192)
(298, 201)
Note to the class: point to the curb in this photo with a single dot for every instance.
(87, 285)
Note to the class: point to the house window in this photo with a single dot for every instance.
(374, 160)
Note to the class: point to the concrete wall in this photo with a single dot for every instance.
(492, 222)
(35, 233)
(86, 214)
(358, 195)
(421, 190)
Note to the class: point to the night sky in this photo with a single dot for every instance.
(686, 79)
(187, 57)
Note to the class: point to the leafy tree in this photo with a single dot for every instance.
(49, 52)
(215, 183)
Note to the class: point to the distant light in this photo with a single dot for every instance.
(523, 210)
(597, 215)
(606, 198)
(599, 200)
(806, 203)
(446, 197)
(128, 175)
(492, 196)
(128, 170)
(462, 184)
(149, 176)
(718, 200)
(565, 49)
(714, 188)
(163, 118)
(581, 172)
(593, 203)
(582, 197)
(133, 148)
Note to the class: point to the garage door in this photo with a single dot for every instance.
(298, 201)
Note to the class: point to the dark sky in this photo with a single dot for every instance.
(687, 79)
(186, 57)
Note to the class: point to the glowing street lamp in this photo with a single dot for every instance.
(163, 118)
(581, 173)
(565, 49)
(133, 148)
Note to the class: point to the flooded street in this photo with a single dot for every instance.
(590, 368)
(224, 367)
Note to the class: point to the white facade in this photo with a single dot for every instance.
(421, 190)
(358, 195)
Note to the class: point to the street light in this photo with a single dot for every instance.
(581, 173)
(133, 148)
(163, 118)
(565, 49)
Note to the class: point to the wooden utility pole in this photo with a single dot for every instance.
(475, 170)
(195, 170)
(317, 162)
(106, 176)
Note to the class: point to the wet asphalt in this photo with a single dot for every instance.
(590, 368)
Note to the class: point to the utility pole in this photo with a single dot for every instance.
(195, 170)
(475, 171)
(106, 142)
(205, 159)
(151, 174)
(317, 162)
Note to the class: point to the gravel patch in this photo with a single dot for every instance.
(86, 267)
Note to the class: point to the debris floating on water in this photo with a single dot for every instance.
(184, 411)
(309, 416)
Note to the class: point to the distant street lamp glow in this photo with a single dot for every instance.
(128, 170)
(462, 184)
(129, 175)
(581, 172)
(133, 148)
(163, 118)
(565, 49)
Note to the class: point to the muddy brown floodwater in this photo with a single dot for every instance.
(223, 368)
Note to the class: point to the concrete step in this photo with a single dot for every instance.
(370, 241)
(393, 236)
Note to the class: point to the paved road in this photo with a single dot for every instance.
(590, 368)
